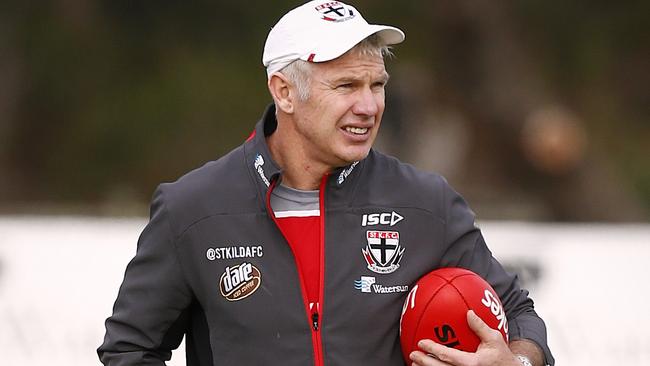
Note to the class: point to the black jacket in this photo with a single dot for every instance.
(212, 265)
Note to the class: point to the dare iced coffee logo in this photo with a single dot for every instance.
(240, 281)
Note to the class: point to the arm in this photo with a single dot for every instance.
(529, 349)
(466, 248)
(150, 314)
(492, 350)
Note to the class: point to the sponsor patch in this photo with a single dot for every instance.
(259, 164)
(364, 284)
(334, 11)
(234, 252)
(239, 282)
(383, 252)
(369, 285)
(492, 302)
(345, 173)
(384, 218)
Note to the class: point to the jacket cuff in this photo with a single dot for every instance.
(528, 327)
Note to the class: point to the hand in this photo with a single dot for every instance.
(493, 350)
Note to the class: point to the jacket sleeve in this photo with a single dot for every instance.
(150, 314)
(466, 248)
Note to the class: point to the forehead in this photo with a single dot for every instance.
(351, 64)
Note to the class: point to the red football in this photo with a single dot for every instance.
(436, 309)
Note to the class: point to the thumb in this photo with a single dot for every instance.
(482, 330)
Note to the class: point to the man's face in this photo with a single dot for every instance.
(340, 120)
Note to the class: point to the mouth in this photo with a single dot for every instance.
(357, 130)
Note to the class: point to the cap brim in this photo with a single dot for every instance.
(389, 35)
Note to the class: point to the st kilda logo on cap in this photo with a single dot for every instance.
(239, 282)
(335, 11)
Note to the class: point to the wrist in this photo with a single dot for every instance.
(523, 360)
(528, 349)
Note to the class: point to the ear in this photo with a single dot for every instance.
(282, 93)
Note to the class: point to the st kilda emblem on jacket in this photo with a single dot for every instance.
(383, 252)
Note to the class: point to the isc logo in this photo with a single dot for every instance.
(381, 219)
(492, 302)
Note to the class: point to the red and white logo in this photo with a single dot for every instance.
(491, 301)
(335, 11)
(383, 252)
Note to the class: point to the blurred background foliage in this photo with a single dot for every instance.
(534, 110)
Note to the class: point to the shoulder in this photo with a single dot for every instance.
(388, 180)
(383, 164)
(222, 186)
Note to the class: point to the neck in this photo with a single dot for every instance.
(302, 182)
(298, 171)
(300, 175)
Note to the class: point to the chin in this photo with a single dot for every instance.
(356, 156)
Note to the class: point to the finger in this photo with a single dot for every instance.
(482, 330)
(421, 359)
(445, 354)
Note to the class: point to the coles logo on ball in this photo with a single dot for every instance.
(240, 281)
(491, 301)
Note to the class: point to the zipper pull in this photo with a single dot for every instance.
(314, 307)
(314, 321)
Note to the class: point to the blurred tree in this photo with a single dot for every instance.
(100, 101)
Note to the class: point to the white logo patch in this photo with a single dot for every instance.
(492, 302)
(259, 163)
(383, 218)
(364, 284)
(368, 285)
(346, 172)
(234, 252)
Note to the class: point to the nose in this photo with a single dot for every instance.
(368, 102)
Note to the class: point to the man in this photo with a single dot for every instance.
(299, 247)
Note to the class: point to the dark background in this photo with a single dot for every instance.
(534, 110)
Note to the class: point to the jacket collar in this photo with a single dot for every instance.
(264, 170)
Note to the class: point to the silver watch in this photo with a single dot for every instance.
(524, 360)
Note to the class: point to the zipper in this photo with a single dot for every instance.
(314, 321)
(316, 335)
(313, 310)
(317, 315)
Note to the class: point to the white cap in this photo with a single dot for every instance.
(320, 31)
